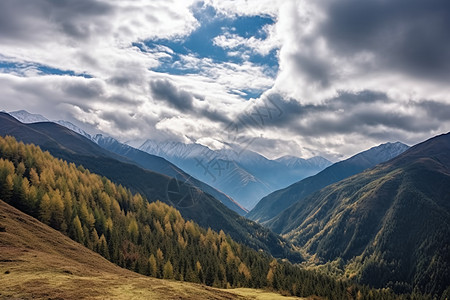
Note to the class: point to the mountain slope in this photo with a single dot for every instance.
(160, 165)
(37, 261)
(390, 225)
(190, 201)
(243, 174)
(276, 202)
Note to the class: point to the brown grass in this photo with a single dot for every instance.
(37, 262)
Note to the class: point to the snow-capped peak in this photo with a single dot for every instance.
(26, 117)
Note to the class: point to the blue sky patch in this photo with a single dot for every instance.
(16, 67)
(200, 43)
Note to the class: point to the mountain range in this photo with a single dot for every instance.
(244, 175)
(160, 165)
(193, 203)
(274, 203)
(237, 177)
(144, 160)
(380, 218)
(388, 226)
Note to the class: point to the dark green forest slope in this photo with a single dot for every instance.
(274, 203)
(388, 226)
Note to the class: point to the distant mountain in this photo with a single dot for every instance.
(160, 165)
(276, 202)
(297, 162)
(193, 203)
(74, 128)
(388, 226)
(26, 117)
(244, 175)
(144, 160)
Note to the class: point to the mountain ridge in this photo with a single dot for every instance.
(389, 225)
(274, 203)
(191, 201)
(243, 174)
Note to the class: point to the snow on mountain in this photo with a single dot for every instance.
(245, 175)
(25, 117)
(297, 162)
(74, 128)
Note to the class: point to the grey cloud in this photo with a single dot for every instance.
(406, 35)
(84, 90)
(24, 21)
(314, 68)
(367, 113)
(163, 89)
(122, 120)
(121, 99)
(215, 115)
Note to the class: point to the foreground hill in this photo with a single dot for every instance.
(389, 226)
(193, 203)
(276, 202)
(38, 262)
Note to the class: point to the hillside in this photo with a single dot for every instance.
(387, 226)
(274, 203)
(190, 201)
(38, 262)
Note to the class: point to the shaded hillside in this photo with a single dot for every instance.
(390, 225)
(38, 262)
(192, 202)
(276, 202)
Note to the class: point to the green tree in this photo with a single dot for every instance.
(45, 209)
(152, 267)
(168, 270)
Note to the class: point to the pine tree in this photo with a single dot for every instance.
(168, 270)
(45, 210)
(78, 234)
(152, 267)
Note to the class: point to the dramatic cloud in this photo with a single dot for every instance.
(280, 77)
(351, 45)
(165, 90)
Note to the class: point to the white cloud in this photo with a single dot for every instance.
(245, 7)
(263, 47)
(321, 59)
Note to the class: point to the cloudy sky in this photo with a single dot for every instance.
(324, 77)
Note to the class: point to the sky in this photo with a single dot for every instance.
(291, 77)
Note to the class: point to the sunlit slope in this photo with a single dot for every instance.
(37, 261)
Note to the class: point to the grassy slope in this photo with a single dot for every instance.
(39, 262)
